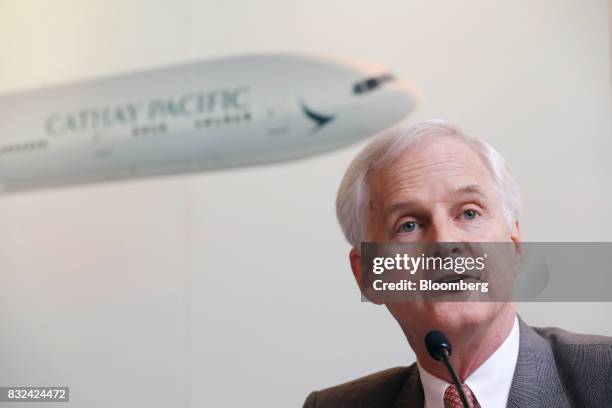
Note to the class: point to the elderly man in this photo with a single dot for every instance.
(430, 183)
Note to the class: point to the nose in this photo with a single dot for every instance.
(444, 239)
(445, 249)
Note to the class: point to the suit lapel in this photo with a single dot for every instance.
(411, 395)
(536, 382)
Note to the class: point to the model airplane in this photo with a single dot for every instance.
(194, 117)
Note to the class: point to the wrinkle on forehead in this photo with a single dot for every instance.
(435, 169)
(411, 173)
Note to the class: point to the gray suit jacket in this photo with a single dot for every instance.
(555, 368)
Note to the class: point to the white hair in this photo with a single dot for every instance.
(353, 196)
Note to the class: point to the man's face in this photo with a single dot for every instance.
(438, 191)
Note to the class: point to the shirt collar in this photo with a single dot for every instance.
(490, 383)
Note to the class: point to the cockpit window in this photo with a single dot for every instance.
(370, 84)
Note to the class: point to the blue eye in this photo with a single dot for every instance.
(409, 226)
(470, 214)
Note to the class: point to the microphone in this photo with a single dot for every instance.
(439, 347)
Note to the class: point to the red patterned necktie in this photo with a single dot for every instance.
(453, 400)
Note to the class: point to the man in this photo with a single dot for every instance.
(430, 183)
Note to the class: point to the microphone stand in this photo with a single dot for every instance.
(439, 347)
(445, 359)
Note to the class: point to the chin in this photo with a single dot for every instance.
(457, 316)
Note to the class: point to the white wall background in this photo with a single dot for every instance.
(233, 288)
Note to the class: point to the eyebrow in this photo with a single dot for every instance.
(400, 205)
(465, 190)
(470, 189)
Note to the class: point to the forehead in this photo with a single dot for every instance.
(431, 169)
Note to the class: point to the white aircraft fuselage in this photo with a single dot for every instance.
(193, 117)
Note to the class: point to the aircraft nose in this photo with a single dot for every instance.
(404, 90)
(402, 98)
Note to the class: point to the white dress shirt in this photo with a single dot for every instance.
(490, 383)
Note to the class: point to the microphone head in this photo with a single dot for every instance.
(436, 342)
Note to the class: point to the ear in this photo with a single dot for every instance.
(515, 232)
(355, 260)
(515, 236)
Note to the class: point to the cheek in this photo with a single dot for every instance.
(495, 228)
(492, 234)
(501, 231)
